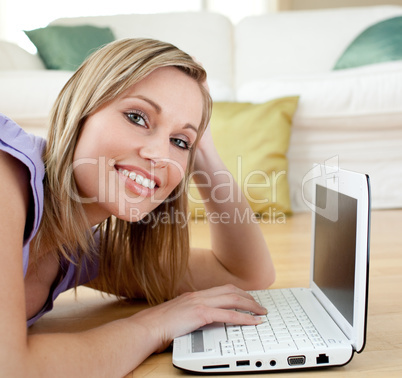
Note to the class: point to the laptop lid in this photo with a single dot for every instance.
(340, 247)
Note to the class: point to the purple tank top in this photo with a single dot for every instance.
(28, 149)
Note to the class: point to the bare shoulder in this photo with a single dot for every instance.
(14, 195)
(15, 181)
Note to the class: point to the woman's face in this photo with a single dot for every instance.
(133, 151)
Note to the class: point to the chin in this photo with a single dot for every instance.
(136, 214)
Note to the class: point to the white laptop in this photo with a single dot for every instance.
(322, 325)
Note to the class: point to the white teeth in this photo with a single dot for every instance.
(139, 179)
(145, 182)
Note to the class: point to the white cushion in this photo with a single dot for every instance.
(337, 98)
(206, 36)
(14, 57)
(299, 42)
(28, 96)
(354, 115)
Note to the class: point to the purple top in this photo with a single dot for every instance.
(28, 149)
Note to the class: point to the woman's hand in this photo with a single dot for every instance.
(190, 311)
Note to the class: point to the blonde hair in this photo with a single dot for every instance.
(156, 256)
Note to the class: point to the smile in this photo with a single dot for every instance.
(143, 181)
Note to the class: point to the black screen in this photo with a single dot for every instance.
(335, 248)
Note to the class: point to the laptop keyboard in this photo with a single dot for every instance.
(285, 326)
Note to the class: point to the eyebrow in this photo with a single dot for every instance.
(190, 126)
(158, 109)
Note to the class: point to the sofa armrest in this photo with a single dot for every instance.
(13, 57)
(27, 96)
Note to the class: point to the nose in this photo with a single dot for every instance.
(156, 150)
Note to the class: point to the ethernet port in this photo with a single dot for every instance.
(322, 359)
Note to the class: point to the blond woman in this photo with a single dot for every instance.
(124, 134)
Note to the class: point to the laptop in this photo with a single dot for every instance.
(314, 327)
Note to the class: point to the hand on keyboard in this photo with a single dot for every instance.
(191, 311)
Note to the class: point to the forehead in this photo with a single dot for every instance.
(170, 89)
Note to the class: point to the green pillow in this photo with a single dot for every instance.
(381, 42)
(66, 47)
(253, 140)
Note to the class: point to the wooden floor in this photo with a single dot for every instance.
(290, 246)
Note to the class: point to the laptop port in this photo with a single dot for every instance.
(243, 363)
(216, 367)
(322, 359)
(296, 360)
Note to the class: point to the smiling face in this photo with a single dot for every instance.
(133, 151)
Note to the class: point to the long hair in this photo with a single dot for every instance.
(154, 255)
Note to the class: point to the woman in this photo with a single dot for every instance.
(125, 132)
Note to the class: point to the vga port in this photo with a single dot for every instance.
(296, 360)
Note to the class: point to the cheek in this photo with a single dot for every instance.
(175, 176)
(86, 175)
(177, 169)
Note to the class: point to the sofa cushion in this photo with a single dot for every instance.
(252, 141)
(206, 36)
(353, 114)
(381, 42)
(13, 57)
(66, 47)
(299, 42)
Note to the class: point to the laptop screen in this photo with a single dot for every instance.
(335, 248)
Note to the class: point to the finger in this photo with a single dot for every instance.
(228, 297)
(225, 289)
(238, 302)
(233, 317)
(231, 289)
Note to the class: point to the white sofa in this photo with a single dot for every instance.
(352, 116)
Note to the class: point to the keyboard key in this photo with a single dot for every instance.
(241, 350)
(303, 343)
(251, 336)
(284, 345)
(254, 345)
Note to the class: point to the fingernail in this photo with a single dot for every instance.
(260, 319)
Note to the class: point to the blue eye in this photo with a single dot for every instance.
(136, 118)
(181, 143)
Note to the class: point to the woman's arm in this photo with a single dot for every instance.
(239, 253)
(111, 350)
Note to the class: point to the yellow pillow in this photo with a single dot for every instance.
(252, 140)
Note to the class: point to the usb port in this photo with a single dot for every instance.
(243, 363)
